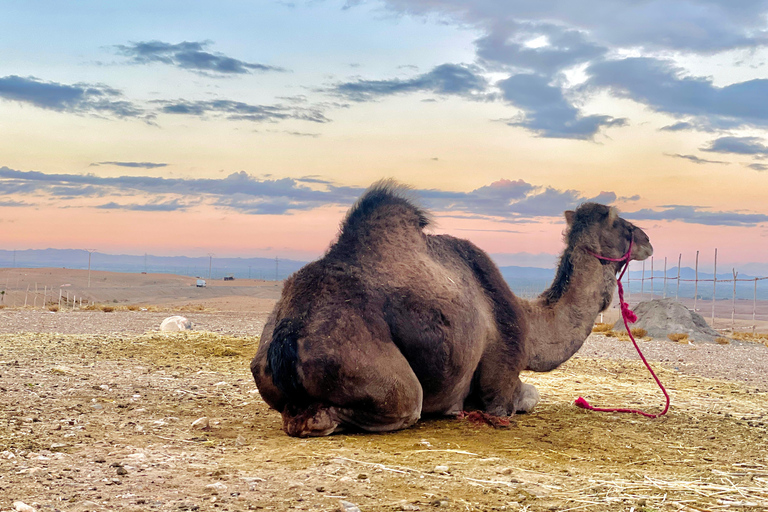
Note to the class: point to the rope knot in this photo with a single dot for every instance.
(627, 313)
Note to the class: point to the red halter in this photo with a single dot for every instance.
(629, 317)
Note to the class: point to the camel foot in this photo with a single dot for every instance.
(312, 421)
(527, 399)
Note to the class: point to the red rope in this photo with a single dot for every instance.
(629, 317)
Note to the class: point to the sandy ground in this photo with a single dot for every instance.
(99, 411)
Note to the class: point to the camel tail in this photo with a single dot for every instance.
(283, 358)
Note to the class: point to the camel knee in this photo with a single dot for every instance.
(527, 398)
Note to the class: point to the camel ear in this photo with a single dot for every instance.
(569, 217)
(613, 214)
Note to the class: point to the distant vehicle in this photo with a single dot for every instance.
(200, 283)
(229, 277)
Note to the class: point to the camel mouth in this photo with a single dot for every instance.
(642, 252)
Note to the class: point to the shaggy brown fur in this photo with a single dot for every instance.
(393, 323)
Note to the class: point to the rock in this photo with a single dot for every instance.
(90, 505)
(666, 316)
(176, 323)
(346, 506)
(240, 441)
(442, 469)
(63, 370)
(201, 423)
(20, 506)
(408, 506)
(122, 471)
(216, 487)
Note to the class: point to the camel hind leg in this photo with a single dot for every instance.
(352, 380)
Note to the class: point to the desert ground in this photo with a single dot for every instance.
(101, 411)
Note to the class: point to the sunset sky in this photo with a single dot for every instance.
(248, 128)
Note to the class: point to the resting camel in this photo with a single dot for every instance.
(393, 323)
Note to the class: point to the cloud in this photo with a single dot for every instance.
(238, 191)
(550, 44)
(506, 200)
(510, 200)
(680, 25)
(758, 167)
(697, 215)
(664, 87)
(446, 79)
(538, 47)
(152, 206)
(738, 145)
(140, 165)
(239, 111)
(547, 112)
(191, 55)
(80, 98)
(697, 160)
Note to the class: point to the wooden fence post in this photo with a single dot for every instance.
(714, 289)
(696, 282)
(733, 305)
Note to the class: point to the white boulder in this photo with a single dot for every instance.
(176, 323)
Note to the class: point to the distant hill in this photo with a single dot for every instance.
(524, 281)
(261, 268)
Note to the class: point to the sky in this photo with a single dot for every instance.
(249, 128)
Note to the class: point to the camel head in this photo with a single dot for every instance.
(599, 229)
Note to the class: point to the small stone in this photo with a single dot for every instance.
(20, 506)
(201, 423)
(216, 487)
(362, 476)
(320, 489)
(408, 506)
(442, 469)
(56, 447)
(89, 505)
(98, 407)
(122, 471)
(240, 441)
(346, 506)
(100, 460)
(62, 370)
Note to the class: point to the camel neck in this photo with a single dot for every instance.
(562, 317)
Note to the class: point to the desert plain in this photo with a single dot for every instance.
(99, 410)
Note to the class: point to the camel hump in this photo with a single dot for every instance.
(283, 358)
(385, 200)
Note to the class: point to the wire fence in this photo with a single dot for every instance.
(647, 285)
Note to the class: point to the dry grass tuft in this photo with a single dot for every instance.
(722, 341)
(755, 337)
(602, 327)
(53, 307)
(638, 332)
(680, 337)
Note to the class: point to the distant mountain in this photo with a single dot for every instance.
(217, 268)
(524, 281)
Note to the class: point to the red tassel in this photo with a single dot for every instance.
(580, 402)
(628, 314)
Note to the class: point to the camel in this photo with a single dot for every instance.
(394, 323)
